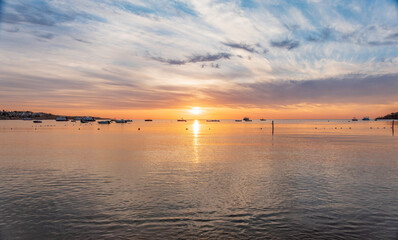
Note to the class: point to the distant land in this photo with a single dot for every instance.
(20, 115)
(389, 116)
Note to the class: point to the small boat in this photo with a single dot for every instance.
(246, 119)
(213, 120)
(354, 119)
(365, 119)
(263, 120)
(88, 119)
(129, 120)
(148, 120)
(181, 120)
(61, 119)
(104, 122)
(120, 121)
(238, 120)
(37, 121)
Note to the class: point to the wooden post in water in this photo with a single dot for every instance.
(272, 127)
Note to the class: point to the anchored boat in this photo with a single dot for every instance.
(246, 119)
(121, 121)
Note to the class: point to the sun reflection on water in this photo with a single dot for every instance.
(196, 130)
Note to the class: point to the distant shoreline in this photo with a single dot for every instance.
(391, 116)
(24, 115)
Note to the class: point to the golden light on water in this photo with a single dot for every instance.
(196, 128)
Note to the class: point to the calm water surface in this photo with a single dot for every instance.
(198, 180)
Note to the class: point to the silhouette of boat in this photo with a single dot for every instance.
(213, 120)
(181, 120)
(238, 120)
(246, 119)
(120, 121)
(37, 121)
(148, 120)
(354, 119)
(104, 122)
(262, 119)
(365, 119)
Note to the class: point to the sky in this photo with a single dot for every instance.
(159, 59)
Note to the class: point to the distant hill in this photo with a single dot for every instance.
(20, 115)
(389, 116)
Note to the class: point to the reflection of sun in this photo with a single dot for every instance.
(196, 128)
(196, 110)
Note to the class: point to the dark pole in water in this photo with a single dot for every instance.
(272, 127)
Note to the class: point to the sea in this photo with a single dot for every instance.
(306, 179)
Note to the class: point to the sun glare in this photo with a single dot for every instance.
(196, 110)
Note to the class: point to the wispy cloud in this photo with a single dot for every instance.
(323, 35)
(44, 35)
(36, 12)
(288, 44)
(195, 58)
(243, 46)
(380, 89)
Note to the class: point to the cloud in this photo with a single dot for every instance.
(195, 58)
(82, 40)
(156, 9)
(44, 35)
(321, 36)
(209, 57)
(344, 89)
(251, 48)
(382, 43)
(288, 44)
(243, 46)
(393, 36)
(41, 13)
(11, 29)
(1, 9)
(35, 13)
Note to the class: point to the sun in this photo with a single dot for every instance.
(195, 110)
